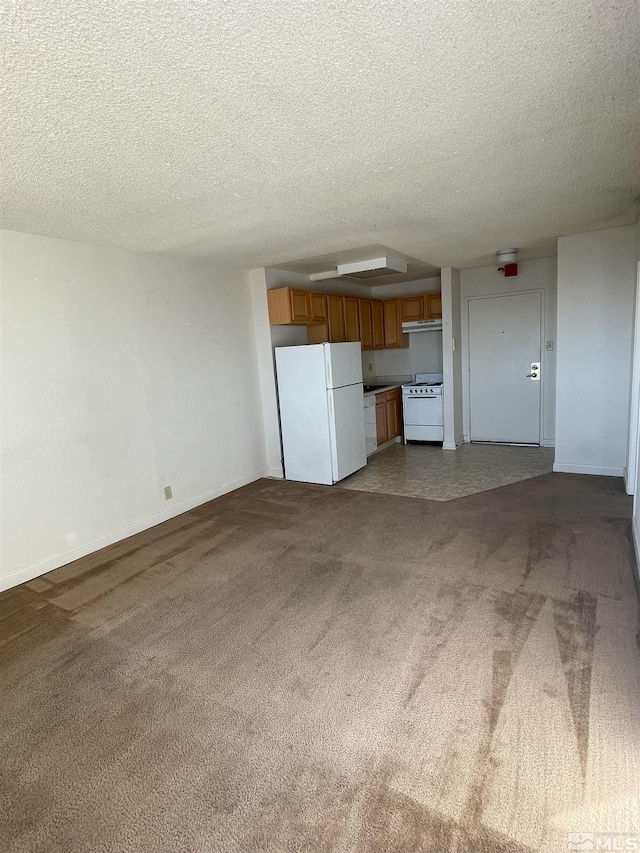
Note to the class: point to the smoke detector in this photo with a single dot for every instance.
(508, 258)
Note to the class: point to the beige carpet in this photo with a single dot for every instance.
(295, 668)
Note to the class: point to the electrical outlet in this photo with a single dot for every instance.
(167, 493)
(370, 366)
(549, 346)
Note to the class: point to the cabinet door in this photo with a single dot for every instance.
(399, 411)
(351, 318)
(318, 306)
(391, 409)
(300, 306)
(392, 323)
(378, 324)
(366, 323)
(413, 308)
(381, 419)
(318, 334)
(335, 318)
(433, 306)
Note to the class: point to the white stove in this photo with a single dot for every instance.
(422, 408)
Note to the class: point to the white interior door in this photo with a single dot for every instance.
(504, 342)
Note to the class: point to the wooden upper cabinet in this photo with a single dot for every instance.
(426, 306)
(376, 323)
(300, 306)
(351, 318)
(413, 308)
(366, 323)
(393, 337)
(377, 316)
(336, 318)
(318, 306)
(433, 306)
(289, 306)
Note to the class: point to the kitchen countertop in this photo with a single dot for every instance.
(381, 388)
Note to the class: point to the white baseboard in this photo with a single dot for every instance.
(568, 468)
(453, 445)
(47, 565)
(276, 472)
(548, 442)
(635, 532)
(384, 446)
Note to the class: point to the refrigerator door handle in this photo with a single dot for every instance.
(330, 396)
(328, 366)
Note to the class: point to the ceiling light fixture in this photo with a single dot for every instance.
(372, 268)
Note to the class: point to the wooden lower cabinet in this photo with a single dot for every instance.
(388, 415)
(381, 420)
(393, 425)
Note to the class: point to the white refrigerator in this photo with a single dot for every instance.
(321, 411)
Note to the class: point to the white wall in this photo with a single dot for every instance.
(424, 355)
(122, 373)
(537, 274)
(452, 358)
(406, 288)
(631, 468)
(266, 370)
(596, 290)
(634, 422)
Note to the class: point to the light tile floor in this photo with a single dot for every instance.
(427, 471)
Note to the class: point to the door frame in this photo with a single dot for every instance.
(467, 356)
(631, 469)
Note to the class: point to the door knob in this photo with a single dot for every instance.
(532, 375)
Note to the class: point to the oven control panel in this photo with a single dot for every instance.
(421, 390)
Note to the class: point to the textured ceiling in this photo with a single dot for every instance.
(267, 131)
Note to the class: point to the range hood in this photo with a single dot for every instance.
(422, 326)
